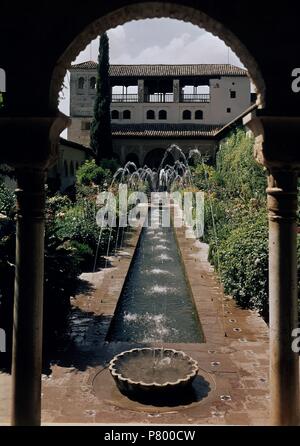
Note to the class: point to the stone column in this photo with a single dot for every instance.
(276, 147)
(28, 304)
(284, 363)
(176, 90)
(141, 92)
(30, 145)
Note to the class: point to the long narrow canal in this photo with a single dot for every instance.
(156, 304)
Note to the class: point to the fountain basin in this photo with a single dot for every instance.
(153, 371)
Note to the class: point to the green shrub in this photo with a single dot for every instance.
(244, 263)
(89, 173)
(57, 203)
(111, 165)
(85, 254)
(62, 268)
(239, 173)
(71, 237)
(206, 178)
(236, 220)
(77, 225)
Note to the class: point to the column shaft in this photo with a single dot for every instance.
(284, 363)
(176, 90)
(141, 92)
(28, 301)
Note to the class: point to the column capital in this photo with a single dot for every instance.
(282, 195)
(277, 140)
(31, 141)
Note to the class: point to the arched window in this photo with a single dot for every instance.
(92, 83)
(115, 114)
(126, 114)
(66, 169)
(186, 114)
(162, 114)
(81, 83)
(72, 172)
(150, 114)
(198, 114)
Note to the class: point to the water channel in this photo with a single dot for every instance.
(156, 304)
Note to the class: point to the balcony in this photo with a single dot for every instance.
(124, 98)
(195, 98)
(161, 98)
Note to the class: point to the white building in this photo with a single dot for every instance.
(153, 106)
(71, 156)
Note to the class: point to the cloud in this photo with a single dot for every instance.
(118, 42)
(184, 49)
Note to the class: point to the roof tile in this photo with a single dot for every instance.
(166, 70)
(164, 130)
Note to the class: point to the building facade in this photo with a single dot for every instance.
(71, 156)
(154, 106)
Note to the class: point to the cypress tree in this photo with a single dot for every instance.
(101, 140)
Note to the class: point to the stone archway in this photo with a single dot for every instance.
(36, 141)
(148, 10)
(284, 409)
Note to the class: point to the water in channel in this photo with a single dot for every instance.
(156, 303)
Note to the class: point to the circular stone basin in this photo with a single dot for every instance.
(152, 371)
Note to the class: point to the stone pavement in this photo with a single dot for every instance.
(232, 387)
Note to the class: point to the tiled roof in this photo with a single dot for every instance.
(88, 65)
(167, 70)
(164, 130)
(76, 145)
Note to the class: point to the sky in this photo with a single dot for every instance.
(157, 41)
